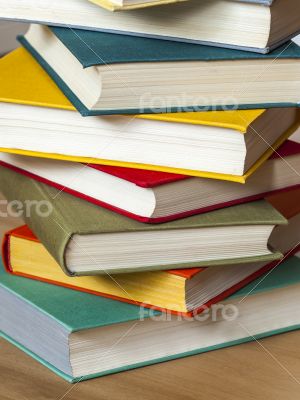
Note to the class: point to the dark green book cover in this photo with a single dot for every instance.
(99, 48)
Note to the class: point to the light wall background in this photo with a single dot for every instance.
(8, 33)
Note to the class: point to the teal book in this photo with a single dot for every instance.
(104, 73)
(80, 336)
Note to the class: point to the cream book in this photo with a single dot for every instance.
(257, 26)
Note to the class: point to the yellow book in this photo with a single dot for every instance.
(131, 4)
(23, 81)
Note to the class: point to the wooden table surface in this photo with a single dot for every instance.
(269, 370)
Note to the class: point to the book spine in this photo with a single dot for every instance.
(36, 205)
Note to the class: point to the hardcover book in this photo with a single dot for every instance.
(75, 334)
(220, 145)
(86, 239)
(256, 26)
(124, 74)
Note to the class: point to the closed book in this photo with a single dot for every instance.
(86, 239)
(256, 26)
(156, 197)
(183, 291)
(227, 145)
(80, 336)
(117, 5)
(124, 74)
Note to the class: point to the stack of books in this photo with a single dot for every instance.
(150, 153)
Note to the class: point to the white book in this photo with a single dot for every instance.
(253, 25)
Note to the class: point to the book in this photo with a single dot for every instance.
(253, 26)
(188, 291)
(75, 334)
(176, 143)
(116, 5)
(86, 239)
(156, 197)
(103, 73)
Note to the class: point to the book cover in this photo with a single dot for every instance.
(115, 49)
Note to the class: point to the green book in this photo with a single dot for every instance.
(104, 73)
(80, 336)
(86, 239)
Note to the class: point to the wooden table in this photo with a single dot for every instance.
(268, 371)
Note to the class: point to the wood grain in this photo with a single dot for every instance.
(244, 372)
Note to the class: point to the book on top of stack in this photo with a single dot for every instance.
(252, 25)
(152, 156)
